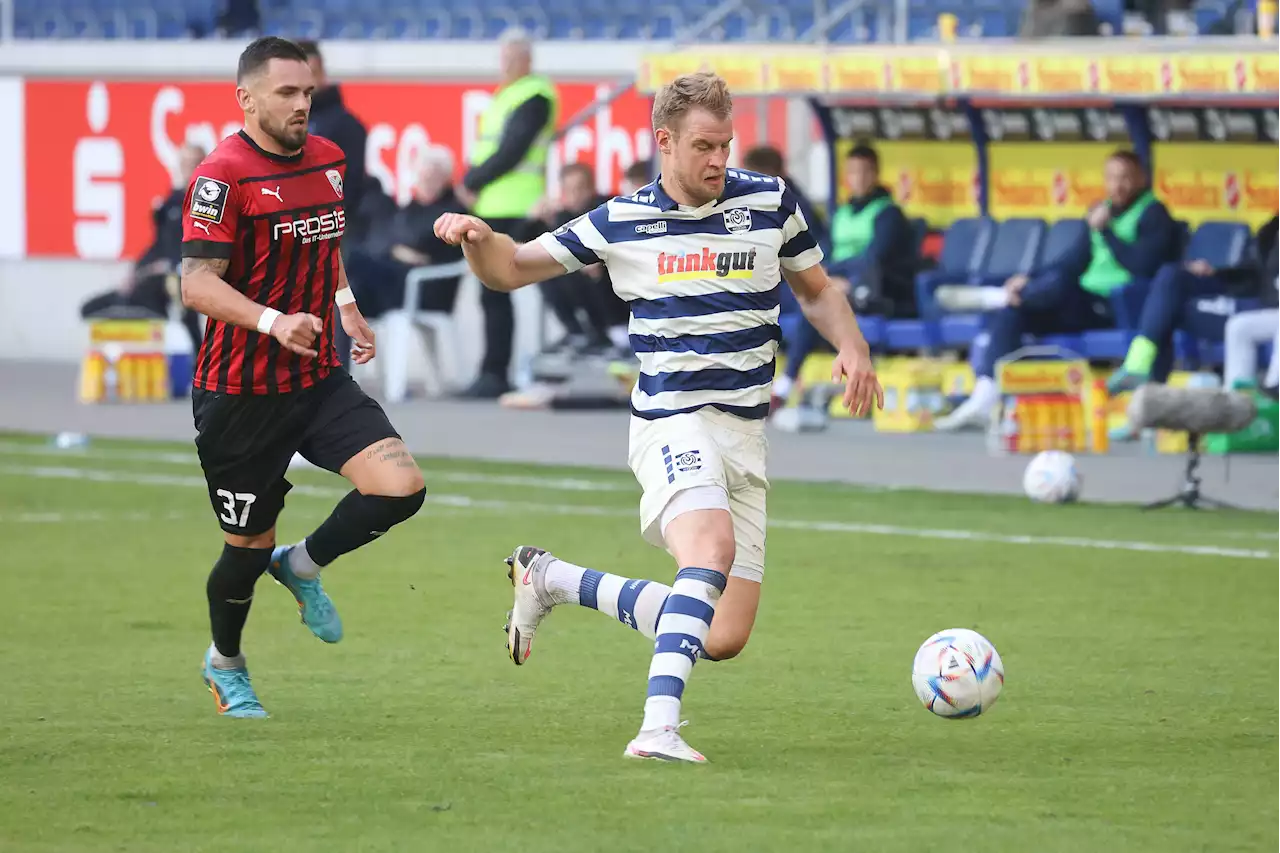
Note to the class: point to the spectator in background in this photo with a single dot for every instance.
(871, 257)
(768, 160)
(1130, 236)
(239, 18)
(1175, 300)
(593, 317)
(1057, 18)
(506, 179)
(378, 267)
(635, 177)
(331, 119)
(146, 285)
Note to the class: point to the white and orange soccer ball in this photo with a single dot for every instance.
(957, 673)
(1052, 477)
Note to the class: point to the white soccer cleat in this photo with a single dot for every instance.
(527, 569)
(664, 744)
(972, 414)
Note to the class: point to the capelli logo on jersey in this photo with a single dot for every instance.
(695, 265)
(322, 226)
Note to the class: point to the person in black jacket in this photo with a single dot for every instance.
(145, 287)
(377, 268)
(593, 317)
(331, 119)
(1198, 298)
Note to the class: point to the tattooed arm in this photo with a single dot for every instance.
(204, 290)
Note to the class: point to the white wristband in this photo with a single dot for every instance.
(268, 317)
(344, 297)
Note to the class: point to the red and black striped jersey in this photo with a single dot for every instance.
(279, 222)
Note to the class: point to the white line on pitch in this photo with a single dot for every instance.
(170, 457)
(170, 480)
(85, 516)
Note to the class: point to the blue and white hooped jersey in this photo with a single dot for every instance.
(703, 287)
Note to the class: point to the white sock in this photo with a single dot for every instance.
(635, 603)
(682, 631)
(782, 386)
(618, 336)
(221, 661)
(301, 564)
(994, 298)
(985, 393)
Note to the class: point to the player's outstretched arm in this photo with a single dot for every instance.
(828, 309)
(498, 261)
(204, 290)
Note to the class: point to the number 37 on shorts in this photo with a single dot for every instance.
(235, 507)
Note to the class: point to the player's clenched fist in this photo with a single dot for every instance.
(297, 332)
(456, 228)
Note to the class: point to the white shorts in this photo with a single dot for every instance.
(673, 455)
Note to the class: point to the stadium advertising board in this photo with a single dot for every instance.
(98, 154)
(1047, 163)
(978, 70)
(927, 159)
(1215, 164)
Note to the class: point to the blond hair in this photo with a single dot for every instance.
(703, 90)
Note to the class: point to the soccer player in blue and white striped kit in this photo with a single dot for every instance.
(699, 255)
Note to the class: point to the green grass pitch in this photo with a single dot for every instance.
(1139, 714)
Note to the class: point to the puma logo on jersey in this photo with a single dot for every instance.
(275, 192)
(202, 226)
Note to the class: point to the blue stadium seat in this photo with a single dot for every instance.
(957, 331)
(1015, 248)
(1062, 238)
(907, 336)
(1222, 244)
(783, 20)
(965, 247)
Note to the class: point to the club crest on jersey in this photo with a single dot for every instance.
(335, 181)
(737, 220)
(208, 199)
(677, 266)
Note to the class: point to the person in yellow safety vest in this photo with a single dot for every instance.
(505, 180)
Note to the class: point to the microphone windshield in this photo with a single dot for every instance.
(1194, 410)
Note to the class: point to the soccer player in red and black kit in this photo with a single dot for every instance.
(263, 220)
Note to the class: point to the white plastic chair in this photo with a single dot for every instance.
(440, 345)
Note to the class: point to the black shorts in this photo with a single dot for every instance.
(246, 441)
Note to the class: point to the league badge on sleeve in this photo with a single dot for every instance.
(209, 199)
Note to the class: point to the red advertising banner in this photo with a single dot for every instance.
(100, 153)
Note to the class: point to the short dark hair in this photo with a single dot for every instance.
(261, 51)
(584, 169)
(863, 151)
(764, 159)
(1129, 158)
(311, 48)
(639, 172)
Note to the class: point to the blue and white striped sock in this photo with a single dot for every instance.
(682, 630)
(635, 603)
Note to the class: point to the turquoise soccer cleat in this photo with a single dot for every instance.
(231, 690)
(314, 604)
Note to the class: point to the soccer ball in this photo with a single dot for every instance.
(957, 673)
(1051, 478)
